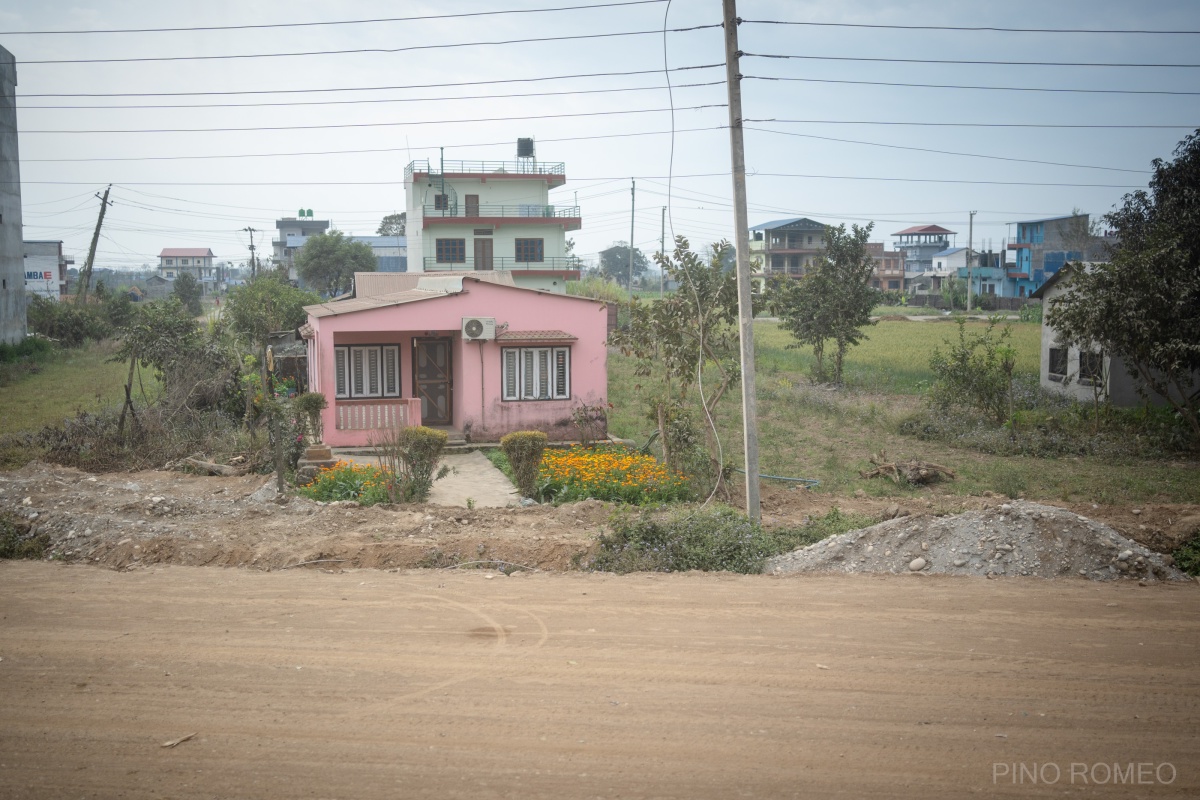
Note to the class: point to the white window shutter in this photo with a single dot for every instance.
(543, 381)
(357, 370)
(391, 371)
(562, 383)
(372, 371)
(510, 367)
(339, 369)
(528, 375)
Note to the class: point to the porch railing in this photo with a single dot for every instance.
(371, 415)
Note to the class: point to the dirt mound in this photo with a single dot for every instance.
(124, 520)
(1018, 538)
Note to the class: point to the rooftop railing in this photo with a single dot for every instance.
(525, 210)
(518, 167)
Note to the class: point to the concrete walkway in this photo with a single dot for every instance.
(473, 478)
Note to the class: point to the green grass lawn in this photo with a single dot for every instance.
(830, 435)
(71, 381)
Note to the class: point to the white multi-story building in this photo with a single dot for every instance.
(491, 215)
(46, 269)
(174, 261)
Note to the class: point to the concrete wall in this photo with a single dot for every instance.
(12, 251)
(476, 390)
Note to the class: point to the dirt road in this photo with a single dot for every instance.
(446, 684)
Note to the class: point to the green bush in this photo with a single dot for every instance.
(1187, 556)
(31, 348)
(308, 408)
(524, 452)
(18, 541)
(409, 457)
(976, 372)
(69, 324)
(712, 538)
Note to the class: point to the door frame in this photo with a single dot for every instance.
(449, 342)
(483, 243)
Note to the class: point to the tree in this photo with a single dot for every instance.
(614, 263)
(676, 338)
(188, 290)
(1143, 305)
(328, 262)
(268, 303)
(833, 300)
(394, 224)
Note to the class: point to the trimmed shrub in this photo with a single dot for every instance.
(524, 451)
(409, 457)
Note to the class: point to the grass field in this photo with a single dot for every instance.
(829, 435)
(72, 381)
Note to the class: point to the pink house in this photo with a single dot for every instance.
(464, 353)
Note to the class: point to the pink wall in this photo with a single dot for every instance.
(476, 400)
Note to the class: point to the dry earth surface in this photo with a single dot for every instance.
(328, 668)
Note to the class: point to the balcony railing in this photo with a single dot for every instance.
(521, 167)
(502, 264)
(523, 210)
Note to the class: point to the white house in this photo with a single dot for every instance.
(198, 261)
(46, 269)
(467, 216)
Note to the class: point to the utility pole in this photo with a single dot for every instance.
(85, 277)
(742, 235)
(632, 212)
(253, 258)
(970, 244)
(662, 247)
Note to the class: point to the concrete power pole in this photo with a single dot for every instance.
(970, 245)
(253, 258)
(632, 212)
(85, 276)
(662, 247)
(742, 236)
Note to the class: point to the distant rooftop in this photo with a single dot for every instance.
(186, 252)
(799, 223)
(923, 229)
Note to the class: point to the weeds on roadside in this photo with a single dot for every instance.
(18, 541)
(1187, 556)
(713, 538)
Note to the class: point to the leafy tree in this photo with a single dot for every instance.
(328, 262)
(393, 224)
(976, 372)
(833, 300)
(614, 263)
(677, 338)
(188, 290)
(954, 292)
(266, 304)
(1144, 304)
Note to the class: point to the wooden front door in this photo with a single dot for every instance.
(483, 253)
(472, 202)
(431, 380)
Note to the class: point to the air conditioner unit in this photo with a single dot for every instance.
(476, 329)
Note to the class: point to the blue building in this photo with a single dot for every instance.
(1043, 246)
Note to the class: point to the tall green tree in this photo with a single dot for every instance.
(393, 224)
(614, 263)
(833, 300)
(328, 262)
(1143, 305)
(188, 290)
(268, 303)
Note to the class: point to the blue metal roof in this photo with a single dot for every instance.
(949, 251)
(780, 223)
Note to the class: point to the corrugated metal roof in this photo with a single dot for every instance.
(535, 336)
(185, 252)
(780, 223)
(949, 251)
(923, 229)
(334, 307)
(373, 284)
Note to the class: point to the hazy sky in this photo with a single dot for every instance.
(197, 150)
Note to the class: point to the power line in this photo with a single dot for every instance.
(965, 124)
(571, 92)
(956, 61)
(332, 22)
(961, 86)
(948, 152)
(378, 88)
(387, 124)
(359, 51)
(980, 28)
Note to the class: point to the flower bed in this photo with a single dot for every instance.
(609, 472)
(346, 481)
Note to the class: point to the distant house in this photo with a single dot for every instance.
(158, 287)
(481, 216)
(467, 353)
(198, 261)
(889, 267)
(787, 246)
(1044, 246)
(920, 244)
(1085, 374)
(46, 269)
